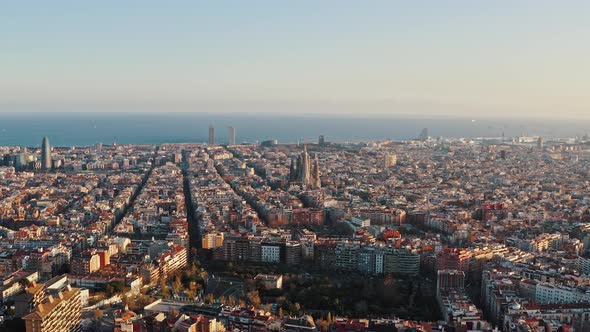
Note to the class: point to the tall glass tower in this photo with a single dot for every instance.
(45, 154)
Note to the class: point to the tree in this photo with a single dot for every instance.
(24, 283)
(190, 294)
(194, 268)
(114, 287)
(125, 299)
(142, 301)
(109, 290)
(194, 254)
(254, 298)
(209, 298)
(361, 307)
(97, 314)
(177, 284)
(164, 288)
(322, 324)
(193, 288)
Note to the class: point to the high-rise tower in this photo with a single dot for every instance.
(45, 154)
(211, 135)
(424, 135)
(232, 136)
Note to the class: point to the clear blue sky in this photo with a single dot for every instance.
(376, 57)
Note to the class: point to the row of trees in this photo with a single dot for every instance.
(354, 297)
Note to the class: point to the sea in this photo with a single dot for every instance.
(85, 129)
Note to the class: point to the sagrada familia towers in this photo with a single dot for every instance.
(305, 171)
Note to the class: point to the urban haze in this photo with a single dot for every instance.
(302, 166)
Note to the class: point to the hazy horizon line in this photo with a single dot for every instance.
(378, 109)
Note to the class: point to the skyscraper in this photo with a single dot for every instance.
(211, 135)
(20, 161)
(232, 136)
(45, 154)
(321, 140)
(424, 134)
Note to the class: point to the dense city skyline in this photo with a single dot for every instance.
(432, 234)
(295, 166)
